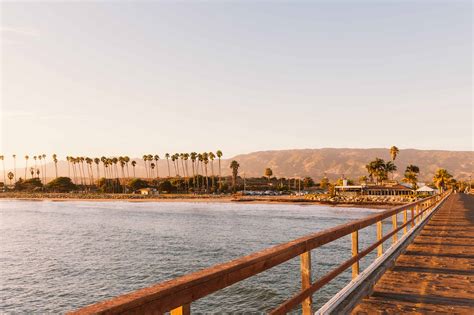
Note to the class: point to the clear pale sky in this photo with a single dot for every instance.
(110, 78)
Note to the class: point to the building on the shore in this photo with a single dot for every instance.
(147, 191)
(391, 189)
(427, 190)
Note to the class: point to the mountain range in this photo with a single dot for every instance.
(316, 163)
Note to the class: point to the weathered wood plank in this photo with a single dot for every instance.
(435, 274)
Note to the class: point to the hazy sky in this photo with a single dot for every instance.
(116, 77)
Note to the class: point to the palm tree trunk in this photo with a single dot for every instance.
(168, 162)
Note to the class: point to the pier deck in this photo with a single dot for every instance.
(436, 273)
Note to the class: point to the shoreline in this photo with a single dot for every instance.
(204, 199)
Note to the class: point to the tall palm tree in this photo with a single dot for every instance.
(212, 156)
(181, 157)
(167, 156)
(97, 162)
(173, 159)
(26, 164)
(150, 159)
(32, 172)
(35, 158)
(234, 165)
(126, 160)
(157, 158)
(68, 159)
(2, 158)
(89, 162)
(219, 156)
(55, 160)
(394, 152)
(442, 178)
(115, 161)
(103, 159)
(133, 165)
(205, 158)
(152, 167)
(200, 164)
(44, 171)
(40, 158)
(145, 159)
(193, 156)
(14, 165)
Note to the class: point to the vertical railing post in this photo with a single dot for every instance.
(405, 220)
(182, 310)
(306, 281)
(355, 251)
(379, 237)
(394, 225)
(413, 216)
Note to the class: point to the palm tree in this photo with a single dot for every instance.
(377, 169)
(115, 161)
(32, 172)
(44, 171)
(152, 166)
(442, 178)
(89, 162)
(268, 173)
(167, 156)
(10, 177)
(126, 159)
(2, 158)
(205, 158)
(55, 160)
(26, 164)
(103, 159)
(14, 165)
(219, 155)
(40, 158)
(145, 158)
(411, 175)
(234, 165)
(133, 165)
(390, 167)
(193, 156)
(97, 162)
(212, 156)
(157, 158)
(394, 152)
(173, 159)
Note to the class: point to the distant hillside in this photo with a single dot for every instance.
(313, 162)
(351, 162)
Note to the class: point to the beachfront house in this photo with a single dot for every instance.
(427, 190)
(147, 191)
(389, 189)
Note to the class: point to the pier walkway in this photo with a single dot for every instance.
(436, 272)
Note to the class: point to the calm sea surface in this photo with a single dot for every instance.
(58, 256)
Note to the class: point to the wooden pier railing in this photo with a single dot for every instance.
(176, 295)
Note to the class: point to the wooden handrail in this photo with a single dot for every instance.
(177, 294)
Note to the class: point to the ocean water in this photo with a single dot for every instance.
(59, 256)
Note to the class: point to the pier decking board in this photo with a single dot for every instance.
(436, 273)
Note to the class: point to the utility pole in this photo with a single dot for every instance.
(244, 182)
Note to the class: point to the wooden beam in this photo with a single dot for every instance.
(306, 281)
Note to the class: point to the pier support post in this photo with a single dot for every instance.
(379, 237)
(306, 281)
(405, 219)
(355, 251)
(182, 310)
(394, 224)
